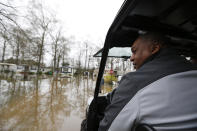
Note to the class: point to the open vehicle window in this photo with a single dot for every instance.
(118, 52)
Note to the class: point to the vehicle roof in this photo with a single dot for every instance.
(177, 19)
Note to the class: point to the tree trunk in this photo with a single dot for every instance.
(88, 61)
(17, 50)
(63, 59)
(4, 47)
(13, 52)
(63, 55)
(123, 65)
(55, 55)
(23, 56)
(58, 61)
(86, 56)
(41, 51)
(111, 63)
(79, 60)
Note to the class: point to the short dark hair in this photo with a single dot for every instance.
(155, 37)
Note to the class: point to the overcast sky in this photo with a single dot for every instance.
(84, 19)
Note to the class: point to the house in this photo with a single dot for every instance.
(8, 67)
(45, 69)
(67, 71)
(22, 68)
(33, 69)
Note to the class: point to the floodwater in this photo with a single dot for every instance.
(43, 103)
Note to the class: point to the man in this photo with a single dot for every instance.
(161, 92)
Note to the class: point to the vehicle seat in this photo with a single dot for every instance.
(144, 127)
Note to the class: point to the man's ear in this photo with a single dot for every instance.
(155, 48)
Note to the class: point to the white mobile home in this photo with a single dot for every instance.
(45, 69)
(8, 67)
(33, 69)
(67, 71)
(20, 68)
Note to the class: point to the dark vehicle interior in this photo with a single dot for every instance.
(176, 19)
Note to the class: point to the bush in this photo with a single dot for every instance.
(39, 73)
(49, 73)
(108, 78)
(31, 73)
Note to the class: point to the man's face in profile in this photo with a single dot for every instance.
(141, 50)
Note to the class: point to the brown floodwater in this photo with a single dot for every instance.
(42, 103)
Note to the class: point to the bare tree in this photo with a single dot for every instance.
(7, 15)
(7, 19)
(91, 52)
(86, 51)
(40, 20)
(20, 43)
(80, 54)
(55, 43)
(11, 31)
(64, 53)
(63, 50)
(5, 40)
(59, 48)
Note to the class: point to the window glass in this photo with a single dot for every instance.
(118, 52)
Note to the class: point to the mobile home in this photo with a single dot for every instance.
(8, 67)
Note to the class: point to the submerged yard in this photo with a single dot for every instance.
(44, 103)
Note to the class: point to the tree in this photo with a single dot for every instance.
(7, 15)
(59, 48)
(40, 21)
(20, 43)
(55, 43)
(91, 51)
(7, 19)
(62, 50)
(5, 40)
(80, 55)
(86, 51)
(11, 32)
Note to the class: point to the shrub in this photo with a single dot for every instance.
(108, 78)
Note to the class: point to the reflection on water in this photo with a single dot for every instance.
(107, 88)
(43, 103)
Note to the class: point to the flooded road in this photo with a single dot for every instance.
(44, 103)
